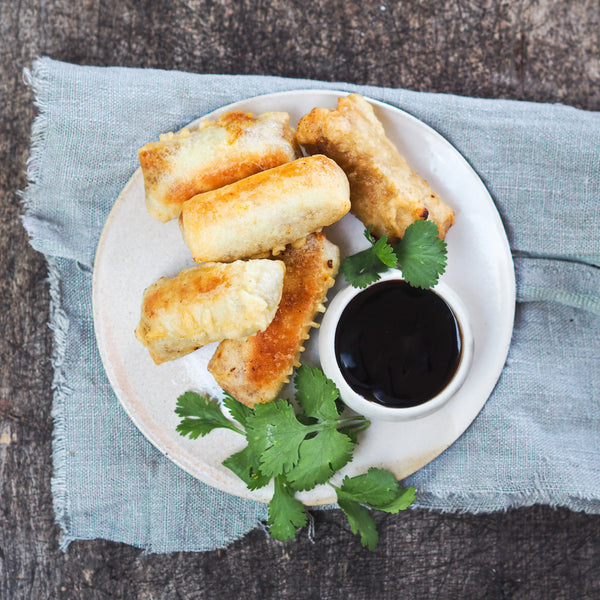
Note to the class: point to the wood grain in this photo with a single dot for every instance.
(538, 50)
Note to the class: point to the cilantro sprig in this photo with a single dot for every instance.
(365, 267)
(298, 450)
(377, 489)
(420, 254)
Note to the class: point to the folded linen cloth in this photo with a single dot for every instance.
(536, 440)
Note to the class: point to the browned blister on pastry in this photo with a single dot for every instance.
(214, 154)
(384, 190)
(265, 211)
(208, 303)
(254, 370)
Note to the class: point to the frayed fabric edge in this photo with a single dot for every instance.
(37, 78)
(59, 325)
(153, 549)
(481, 504)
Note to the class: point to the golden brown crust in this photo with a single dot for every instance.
(253, 370)
(265, 211)
(384, 190)
(214, 154)
(208, 303)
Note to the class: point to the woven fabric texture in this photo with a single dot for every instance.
(536, 440)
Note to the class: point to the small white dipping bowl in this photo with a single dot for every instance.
(369, 408)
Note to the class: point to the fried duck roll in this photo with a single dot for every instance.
(254, 369)
(384, 190)
(209, 303)
(214, 154)
(265, 211)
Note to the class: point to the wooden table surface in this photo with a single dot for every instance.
(541, 50)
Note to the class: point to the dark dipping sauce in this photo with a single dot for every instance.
(397, 345)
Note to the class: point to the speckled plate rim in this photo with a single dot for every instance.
(134, 250)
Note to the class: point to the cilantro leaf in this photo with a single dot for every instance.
(316, 393)
(406, 496)
(286, 513)
(275, 434)
(364, 268)
(200, 416)
(361, 522)
(367, 233)
(240, 412)
(376, 487)
(245, 465)
(422, 255)
(320, 457)
(383, 251)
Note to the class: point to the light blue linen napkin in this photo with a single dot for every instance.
(536, 441)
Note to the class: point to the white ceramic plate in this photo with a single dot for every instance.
(135, 250)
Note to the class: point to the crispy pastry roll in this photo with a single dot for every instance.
(215, 154)
(265, 211)
(254, 369)
(384, 190)
(209, 303)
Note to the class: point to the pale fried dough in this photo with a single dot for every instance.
(384, 190)
(208, 303)
(253, 370)
(265, 211)
(214, 154)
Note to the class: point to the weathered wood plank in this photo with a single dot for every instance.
(537, 50)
